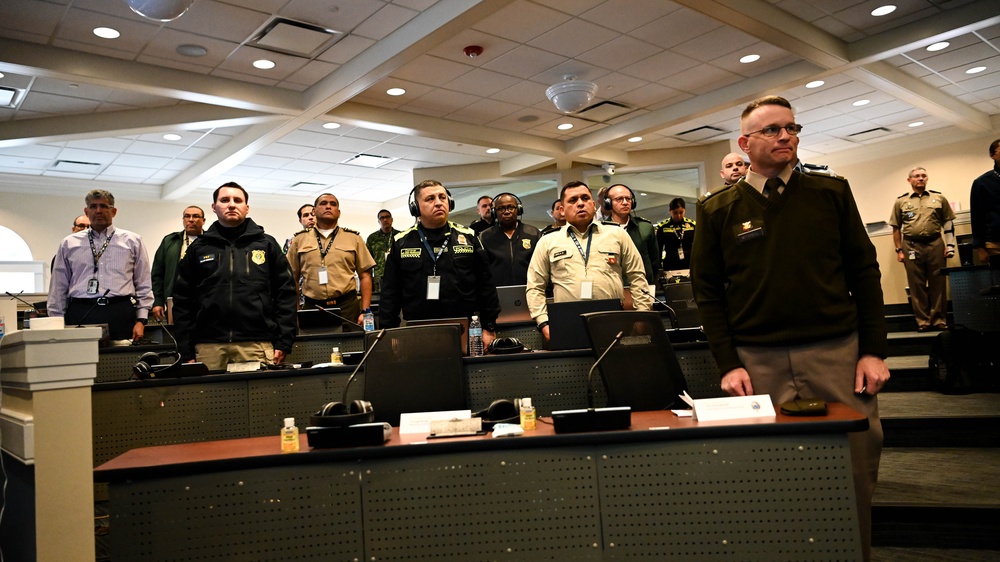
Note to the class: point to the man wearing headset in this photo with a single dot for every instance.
(436, 268)
(509, 243)
(620, 202)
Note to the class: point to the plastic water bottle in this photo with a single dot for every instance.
(369, 320)
(475, 337)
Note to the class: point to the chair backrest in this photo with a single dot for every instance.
(641, 370)
(566, 327)
(415, 369)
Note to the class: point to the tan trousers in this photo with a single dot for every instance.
(927, 284)
(216, 356)
(825, 370)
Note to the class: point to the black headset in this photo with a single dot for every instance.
(493, 205)
(499, 411)
(149, 364)
(339, 414)
(500, 346)
(411, 201)
(607, 198)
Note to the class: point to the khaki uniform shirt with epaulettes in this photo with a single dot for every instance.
(921, 215)
(348, 254)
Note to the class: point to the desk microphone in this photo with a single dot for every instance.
(670, 310)
(332, 313)
(590, 374)
(18, 298)
(378, 338)
(92, 307)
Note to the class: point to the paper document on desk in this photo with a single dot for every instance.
(420, 422)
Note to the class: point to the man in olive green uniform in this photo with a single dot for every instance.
(328, 256)
(584, 260)
(919, 218)
(379, 243)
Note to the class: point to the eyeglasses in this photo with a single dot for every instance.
(193, 217)
(622, 199)
(78, 225)
(385, 217)
(773, 130)
(507, 209)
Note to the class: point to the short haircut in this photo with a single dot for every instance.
(77, 219)
(556, 202)
(571, 185)
(676, 203)
(99, 194)
(320, 196)
(483, 197)
(246, 196)
(993, 147)
(426, 183)
(380, 211)
(760, 102)
(302, 208)
(200, 210)
(910, 175)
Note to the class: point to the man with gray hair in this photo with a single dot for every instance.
(101, 274)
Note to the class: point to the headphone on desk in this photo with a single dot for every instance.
(493, 205)
(411, 200)
(606, 203)
(499, 411)
(500, 346)
(149, 364)
(339, 414)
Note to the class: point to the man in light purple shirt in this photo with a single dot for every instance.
(101, 275)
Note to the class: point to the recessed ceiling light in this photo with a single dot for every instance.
(749, 58)
(263, 64)
(940, 45)
(883, 10)
(395, 91)
(975, 70)
(172, 137)
(815, 84)
(915, 124)
(191, 50)
(106, 33)
(492, 150)
(565, 126)
(331, 125)
(859, 103)
(635, 139)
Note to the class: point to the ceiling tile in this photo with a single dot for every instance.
(481, 82)
(659, 66)
(521, 21)
(524, 62)
(203, 19)
(573, 38)
(385, 21)
(620, 52)
(680, 26)
(452, 48)
(625, 15)
(346, 49)
(427, 69)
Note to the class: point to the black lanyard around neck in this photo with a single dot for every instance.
(324, 251)
(93, 250)
(431, 252)
(590, 238)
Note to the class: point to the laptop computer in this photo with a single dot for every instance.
(513, 305)
(319, 322)
(567, 329)
(463, 322)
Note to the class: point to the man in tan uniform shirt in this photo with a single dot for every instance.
(919, 218)
(328, 256)
(584, 260)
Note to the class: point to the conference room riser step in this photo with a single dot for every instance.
(966, 431)
(946, 527)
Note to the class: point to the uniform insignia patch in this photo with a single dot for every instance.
(560, 253)
(612, 260)
(526, 243)
(257, 256)
(747, 226)
(208, 258)
(462, 249)
(462, 240)
(409, 253)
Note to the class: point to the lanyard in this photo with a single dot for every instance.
(93, 250)
(585, 255)
(319, 241)
(434, 256)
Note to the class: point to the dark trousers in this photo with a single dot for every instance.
(118, 314)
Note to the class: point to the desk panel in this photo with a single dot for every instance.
(271, 400)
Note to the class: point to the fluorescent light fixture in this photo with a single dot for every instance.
(492, 150)
(172, 137)
(859, 103)
(635, 139)
(815, 84)
(263, 64)
(883, 10)
(749, 59)
(7, 96)
(565, 126)
(368, 160)
(915, 124)
(975, 70)
(395, 91)
(939, 46)
(331, 125)
(106, 33)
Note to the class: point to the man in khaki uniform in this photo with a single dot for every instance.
(919, 218)
(328, 256)
(584, 260)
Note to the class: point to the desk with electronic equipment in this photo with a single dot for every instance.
(667, 489)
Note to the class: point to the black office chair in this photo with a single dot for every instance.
(415, 369)
(641, 370)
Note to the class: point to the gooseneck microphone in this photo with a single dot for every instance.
(18, 298)
(378, 338)
(590, 374)
(670, 310)
(332, 313)
(92, 307)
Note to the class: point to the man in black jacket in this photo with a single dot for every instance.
(509, 242)
(234, 298)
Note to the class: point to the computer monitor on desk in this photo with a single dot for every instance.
(566, 327)
(463, 323)
(315, 322)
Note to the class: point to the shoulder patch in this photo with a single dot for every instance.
(403, 234)
(351, 230)
(932, 191)
(609, 222)
(711, 194)
(550, 229)
(462, 228)
(303, 231)
(907, 194)
(641, 219)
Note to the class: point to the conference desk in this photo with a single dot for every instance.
(667, 489)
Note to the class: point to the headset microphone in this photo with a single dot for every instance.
(590, 374)
(670, 310)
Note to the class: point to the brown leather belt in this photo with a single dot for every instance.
(346, 297)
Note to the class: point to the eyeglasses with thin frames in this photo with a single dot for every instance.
(622, 199)
(772, 131)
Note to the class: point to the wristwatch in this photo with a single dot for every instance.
(898, 250)
(142, 321)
